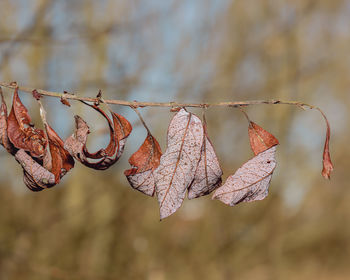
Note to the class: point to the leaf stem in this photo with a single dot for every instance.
(142, 120)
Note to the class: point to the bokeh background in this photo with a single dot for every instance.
(93, 225)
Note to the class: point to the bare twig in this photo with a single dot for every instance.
(136, 104)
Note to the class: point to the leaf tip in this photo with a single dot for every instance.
(327, 162)
(327, 168)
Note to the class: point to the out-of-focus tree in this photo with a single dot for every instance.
(94, 226)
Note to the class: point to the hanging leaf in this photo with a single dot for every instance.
(36, 94)
(64, 101)
(144, 161)
(260, 139)
(120, 129)
(327, 162)
(35, 177)
(179, 162)
(250, 182)
(4, 140)
(113, 144)
(61, 160)
(208, 173)
(21, 132)
(56, 159)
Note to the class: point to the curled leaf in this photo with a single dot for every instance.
(178, 164)
(327, 162)
(4, 140)
(250, 182)
(56, 159)
(35, 177)
(208, 172)
(120, 129)
(61, 160)
(22, 134)
(260, 139)
(144, 161)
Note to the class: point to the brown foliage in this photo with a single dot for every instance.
(189, 164)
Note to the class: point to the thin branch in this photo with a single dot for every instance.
(137, 104)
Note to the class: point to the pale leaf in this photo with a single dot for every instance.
(250, 182)
(208, 173)
(35, 177)
(179, 162)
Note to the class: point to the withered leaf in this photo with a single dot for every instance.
(65, 102)
(120, 129)
(36, 94)
(4, 140)
(208, 172)
(21, 132)
(260, 139)
(250, 182)
(35, 176)
(327, 162)
(144, 161)
(61, 160)
(179, 162)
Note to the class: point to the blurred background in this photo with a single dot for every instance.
(94, 225)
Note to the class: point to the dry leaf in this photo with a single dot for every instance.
(21, 132)
(120, 129)
(4, 140)
(61, 160)
(208, 173)
(64, 101)
(56, 159)
(36, 94)
(260, 139)
(144, 161)
(179, 162)
(36, 177)
(327, 162)
(250, 182)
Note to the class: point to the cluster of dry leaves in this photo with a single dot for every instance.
(189, 164)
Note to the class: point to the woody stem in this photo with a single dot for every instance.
(136, 104)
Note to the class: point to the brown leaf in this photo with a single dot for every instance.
(208, 173)
(327, 162)
(120, 129)
(4, 140)
(250, 182)
(64, 101)
(260, 139)
(35, 176)
(36, 94)
(144, 161)
(61, 160)
(179, 162)
(21, 132)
